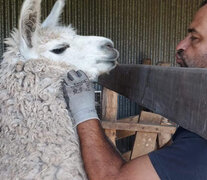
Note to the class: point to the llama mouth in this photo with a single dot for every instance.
(112, 62)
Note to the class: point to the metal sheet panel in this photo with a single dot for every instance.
(174, 92)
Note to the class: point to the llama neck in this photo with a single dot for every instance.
(36, 81)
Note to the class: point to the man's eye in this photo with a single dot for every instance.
(193, 38)
(60, 50)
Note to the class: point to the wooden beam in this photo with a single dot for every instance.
(130, 119)
(146, 142)
(150, 118)
(120, 134)
(138, 127)
(127, 155)
(109, 105)
(164, 138)
(109, 111)
(123, 134)
(179, 94)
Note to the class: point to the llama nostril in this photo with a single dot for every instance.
(108, 45)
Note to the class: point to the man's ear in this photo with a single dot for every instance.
(54, 16)
(29, 22)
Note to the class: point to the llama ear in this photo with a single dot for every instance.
(53, 18)
(29, 21)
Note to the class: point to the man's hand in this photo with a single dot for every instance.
(81, 97)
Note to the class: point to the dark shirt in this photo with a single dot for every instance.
(185, 159)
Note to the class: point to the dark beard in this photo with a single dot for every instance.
(184, 63)
(179, 55)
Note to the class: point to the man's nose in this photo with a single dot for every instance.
(180, 52)
(184, 44)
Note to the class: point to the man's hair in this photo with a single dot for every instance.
(203, 3)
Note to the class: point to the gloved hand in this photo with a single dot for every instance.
(81, 97)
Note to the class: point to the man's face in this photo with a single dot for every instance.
(192, 51)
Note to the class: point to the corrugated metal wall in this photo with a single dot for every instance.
(140, 28)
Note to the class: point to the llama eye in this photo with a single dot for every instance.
(60, 50)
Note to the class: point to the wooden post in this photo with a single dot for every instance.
(147, 61)
(145, 142)
(164, 138)
(109, 111)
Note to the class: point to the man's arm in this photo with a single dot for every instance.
(103, 162)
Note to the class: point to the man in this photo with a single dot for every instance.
(185, 159)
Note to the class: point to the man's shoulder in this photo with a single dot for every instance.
(186, 157)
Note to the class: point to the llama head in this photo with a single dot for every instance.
(92, 54)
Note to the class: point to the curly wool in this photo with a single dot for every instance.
(37, 139)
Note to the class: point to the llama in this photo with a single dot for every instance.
(37, 138)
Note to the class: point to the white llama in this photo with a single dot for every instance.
(37, 140)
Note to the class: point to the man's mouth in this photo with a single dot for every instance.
(180, 61)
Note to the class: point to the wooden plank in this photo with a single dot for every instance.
(127, 155)
(138, 127)
(145, 142)
(150, 118)
(164, 138)
(109, 111)
(120, 134)
(109, 105)
(147, 61)
(179, 94)
(111, 134)
(166, 64)
(130, 119)
(123, 134)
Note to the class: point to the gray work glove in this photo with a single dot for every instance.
(81, 97)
